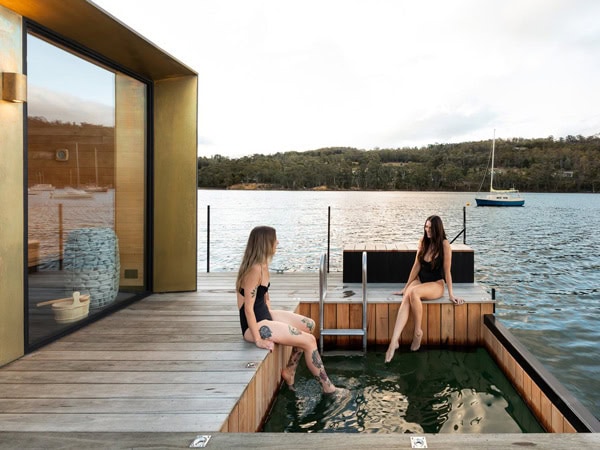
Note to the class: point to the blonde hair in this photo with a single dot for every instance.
(259, 249)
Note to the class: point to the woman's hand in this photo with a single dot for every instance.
(401, 292)
(263, 343)
(456, 300)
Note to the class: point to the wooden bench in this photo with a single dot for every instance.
(391, 263)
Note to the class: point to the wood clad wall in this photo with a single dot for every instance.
(547, 413)
(249, 413)
(443, 324)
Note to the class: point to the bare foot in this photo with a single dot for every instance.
(330, 389)
(337, 392)
(416, 343)
(390, 351)
(288, 377)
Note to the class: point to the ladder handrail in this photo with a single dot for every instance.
(322, 295)
(364, 294)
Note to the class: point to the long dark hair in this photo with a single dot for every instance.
(435, 245)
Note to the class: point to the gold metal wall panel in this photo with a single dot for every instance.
(175, 185)
(130, 176)
(83, 22)
(11, 198)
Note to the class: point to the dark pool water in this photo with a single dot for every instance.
(430, 391)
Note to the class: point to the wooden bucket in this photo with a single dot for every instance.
(70, 309)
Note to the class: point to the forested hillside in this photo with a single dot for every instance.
(570, 164)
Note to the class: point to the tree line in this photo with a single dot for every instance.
(569, 164)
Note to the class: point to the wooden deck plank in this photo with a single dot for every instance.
(114, 422)
(222, 390)
(85, 377)
(132, 366)
(300, 441)
(115, 405)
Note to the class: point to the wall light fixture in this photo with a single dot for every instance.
(14, 87)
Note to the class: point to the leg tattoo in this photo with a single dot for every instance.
(321, 377)
(294, 358)
(265, 332)
(316, 359)
(289, 372)
(294, 331)
(309, 323)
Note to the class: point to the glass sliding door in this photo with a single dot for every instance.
(86, 185)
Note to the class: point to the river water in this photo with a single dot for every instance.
(543, 259)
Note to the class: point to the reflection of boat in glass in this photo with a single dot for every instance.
(37, 188)
(94, 188)
(70, 193)
(496, 197)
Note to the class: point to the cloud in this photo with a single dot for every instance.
(277, 75)
(448, 126)
(67, 108)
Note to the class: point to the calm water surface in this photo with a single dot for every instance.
(542, 259)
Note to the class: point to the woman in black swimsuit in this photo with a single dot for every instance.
(425, 282)
(266, 327)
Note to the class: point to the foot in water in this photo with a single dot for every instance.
(288, 378)
(390, 351)
(416, 343)
(337, 392)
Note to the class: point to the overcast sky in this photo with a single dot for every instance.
(281, 75)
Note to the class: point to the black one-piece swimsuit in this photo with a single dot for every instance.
(260, 307)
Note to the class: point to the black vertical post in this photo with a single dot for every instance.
(465, 224)
(207, 238)
(328, 234)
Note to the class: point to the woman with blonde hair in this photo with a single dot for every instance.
(266, 327)
(429, 273)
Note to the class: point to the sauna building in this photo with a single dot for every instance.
(98, 145)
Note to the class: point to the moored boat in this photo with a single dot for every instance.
(498, 197)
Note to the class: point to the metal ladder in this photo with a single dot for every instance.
(323, 294)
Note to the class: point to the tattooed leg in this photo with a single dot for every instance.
(289, 372)
(318, 370)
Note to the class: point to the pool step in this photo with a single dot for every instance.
(343, 332)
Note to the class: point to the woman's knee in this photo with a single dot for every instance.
(309, 341)
(309, 324)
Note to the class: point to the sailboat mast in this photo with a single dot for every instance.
(96, 164)
(492, 173)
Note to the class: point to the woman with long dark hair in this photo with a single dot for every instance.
(266, 327)
(425, 282)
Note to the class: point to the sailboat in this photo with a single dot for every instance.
(497, 197)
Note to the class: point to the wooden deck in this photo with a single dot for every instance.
(173, 366)
(171, 362)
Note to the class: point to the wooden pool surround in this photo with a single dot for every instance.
(444, 325)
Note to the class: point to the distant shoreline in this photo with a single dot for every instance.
(273, 187)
